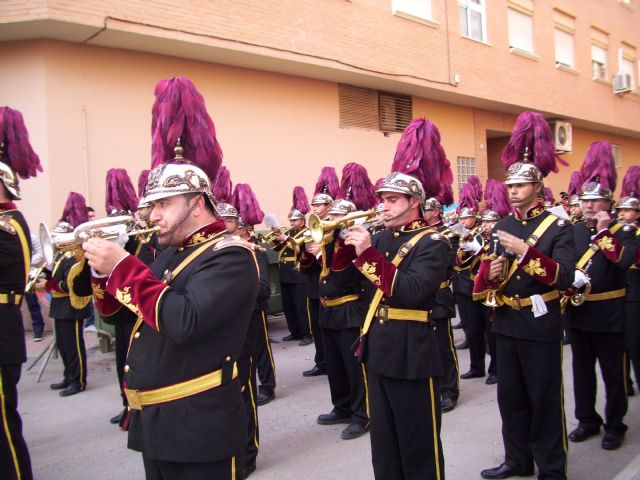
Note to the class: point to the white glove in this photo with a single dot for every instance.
(538, 306)
(580, 279)
(472, 247)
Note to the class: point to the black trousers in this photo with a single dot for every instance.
(313, 311)
(608, 350)
(37, 322)
(247, 378)
(70, 340)
(294, 304)
(405, 428)
(347, 378)
(632, 326)
(449, 381)
(14, 455)
(228, 469)
(531, 402)
(264, 358)
(479, 334)
(122, 336)
(459, 298)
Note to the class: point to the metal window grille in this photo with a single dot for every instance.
(466, 168)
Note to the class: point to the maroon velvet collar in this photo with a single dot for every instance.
(8, 206)
(203, 234)
(438, 224)
(533, 212)
(417, 224)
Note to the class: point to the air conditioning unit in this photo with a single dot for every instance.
(561, 135)
(621, 83)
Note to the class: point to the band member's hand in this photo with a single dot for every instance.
(496, 269)
(313, 248)
(41, 285)
(603, 219)
(512, 243)
(359, 237)
(103, 255)
(281, 237)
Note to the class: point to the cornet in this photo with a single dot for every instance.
(318, 229)
(108, 228)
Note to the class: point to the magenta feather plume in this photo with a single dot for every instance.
(575, 184)
(222, 186)
(445, 197)
(378, 183)
(121, 195)
(245, 201)
(179, 112)
(420, 154)
(600, 166)
(143, 178)
(357, 187)
(75, 210)
(468, 198)
(631, 182)
(533, 132)
(300, 201)
(327, 182)
(14, 141)
(476, 187)
(497, 197)
(548, 195)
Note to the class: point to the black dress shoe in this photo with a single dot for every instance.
(60, 385)
(265, 397)
(447, 405)
(116, 420)
(332, 419)
(612, 441)
(471, 374)
(504, 471)
(314, 372)
(457, 326)
(353, 430)
(306, 340)
(248, 470)
(630, 391)
(583, 432)
(70, 390)
(491, 379)
(291, 338)
(463, 345)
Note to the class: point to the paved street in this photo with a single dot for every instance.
(72, 439)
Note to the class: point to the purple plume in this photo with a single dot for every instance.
(631, 182)
(245, 201)
(75, 210)
(222, 186)
(599, 165)
(497, 197)
(179, 112)
(300, 201)
(575, 184)
(548, 195)
(143, 178)
(121, 195)
(476, 187)
(327, 182)
(533, 132)
(378, 183)
(445, 197)
(468, 198)
(14, 141)
(357, 187)
(420, 154)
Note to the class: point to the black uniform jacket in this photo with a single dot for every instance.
(633, 275)
(70, 287)
(445, 305)
(400, 348)
(607, 271)
(15, 260)
(286, 259)
(544, 268)
(250, 345)
(194, 323)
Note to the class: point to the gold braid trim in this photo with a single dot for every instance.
(77, 302)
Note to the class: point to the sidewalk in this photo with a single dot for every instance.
(72, 439)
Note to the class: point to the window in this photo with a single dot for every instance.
(373, 110)
(413, 9)
(598, 62)
(520, 30)
(627, 61)
(564, 48)
(466, 168)
(472, 19)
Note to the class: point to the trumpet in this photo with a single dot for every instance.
(31, 284)
(109, 228)
(492, 296)
(318, 229)
(268, 237)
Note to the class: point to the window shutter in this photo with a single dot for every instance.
(395, 112)
(358, 107)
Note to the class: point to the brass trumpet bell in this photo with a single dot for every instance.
(318, 229)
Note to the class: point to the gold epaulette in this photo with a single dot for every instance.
(442, 237)
(233, 241)
(5, 225)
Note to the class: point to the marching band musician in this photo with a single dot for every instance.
(534, 258)
(342, 309)
(70, 291)
(17, 158)
(604, 250)
(186, 412)
(575, 212)
(404, 265)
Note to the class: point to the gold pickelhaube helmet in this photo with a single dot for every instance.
(598, 172)
(432, 204)
(630, 194)
(300, 204)
(327, 187)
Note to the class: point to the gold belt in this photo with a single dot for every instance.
(334, 302)
(286, 259)
(10, 298)
(517, 302)
(444, 284)
(142, 398)
(596, 297)
(472, 277)
(59, 294)
(388, 313)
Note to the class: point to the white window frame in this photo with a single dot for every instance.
(419, 10)
(599, 62)
(564, 58)
(528, 45)
(465, 167)
(628, 66)
(469, 6)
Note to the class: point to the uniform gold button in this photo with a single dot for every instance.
(126, 369)
(381, 322)
(228, 359)
(524, 222)
(137, 335)
(180, 249)
(396, 234)
(386, 254)
(518, 277)
(324, 282)
(383, 299)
